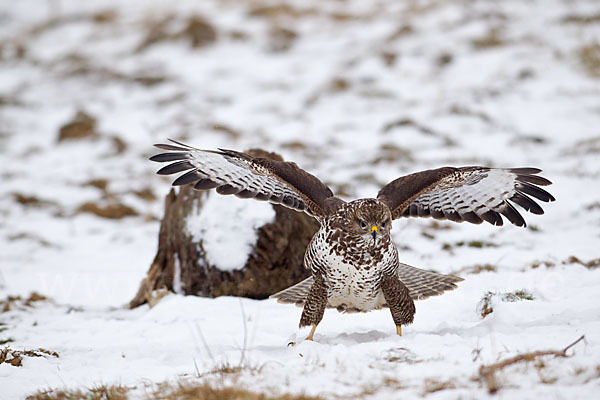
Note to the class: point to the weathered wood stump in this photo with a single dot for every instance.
(181, 263)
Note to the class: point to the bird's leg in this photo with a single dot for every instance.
(314, 307)
(312, 332)
(301, 335)
(398, 300)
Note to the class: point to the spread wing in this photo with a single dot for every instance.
(472, 194)
(245, 176)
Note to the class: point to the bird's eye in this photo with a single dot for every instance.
(383, 224)
(363, 224)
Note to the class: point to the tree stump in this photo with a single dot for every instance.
(181, 264)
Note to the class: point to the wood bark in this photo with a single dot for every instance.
(275, 262)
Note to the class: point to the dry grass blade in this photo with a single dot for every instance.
(204, 391)
(487, 373)
(102, 392)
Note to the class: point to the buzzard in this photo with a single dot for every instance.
(353, 262)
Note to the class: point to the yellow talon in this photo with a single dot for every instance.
(309, 337)
(399, 330)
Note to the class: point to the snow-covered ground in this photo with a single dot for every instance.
(358, 93)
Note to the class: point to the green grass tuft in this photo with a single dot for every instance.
(486, 306)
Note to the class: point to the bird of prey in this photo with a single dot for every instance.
(353, 262)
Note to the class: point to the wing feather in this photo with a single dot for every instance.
(472, 194)
(510, 212)
(527, 203)
(534, 191)
(174, 168)
(241, 174)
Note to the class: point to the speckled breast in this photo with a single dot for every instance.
(351, 269)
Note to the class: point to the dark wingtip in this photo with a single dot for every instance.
(188, 177)
(155, 158)
(525, 170)
(176, 167)
(169, 147)
(534, 191)
(167, 157)
(492, 217)
(513, 215)
(179, 143)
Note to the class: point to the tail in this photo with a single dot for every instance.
(295, 294)
(421, 284)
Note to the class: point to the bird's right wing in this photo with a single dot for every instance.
(245, 176)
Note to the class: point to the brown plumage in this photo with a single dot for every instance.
(353, 261)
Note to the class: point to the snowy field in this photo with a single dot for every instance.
(356, 92)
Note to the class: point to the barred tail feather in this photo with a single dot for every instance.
(295, 294)
(421, 285)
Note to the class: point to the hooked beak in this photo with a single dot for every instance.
(374, 231)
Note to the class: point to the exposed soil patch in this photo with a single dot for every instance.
(15, 357)
(111, 211)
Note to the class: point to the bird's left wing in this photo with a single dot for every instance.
(473, 194)
(245, 176)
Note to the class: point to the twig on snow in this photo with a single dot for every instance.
(487, 372)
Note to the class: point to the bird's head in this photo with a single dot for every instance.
(370, 218)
